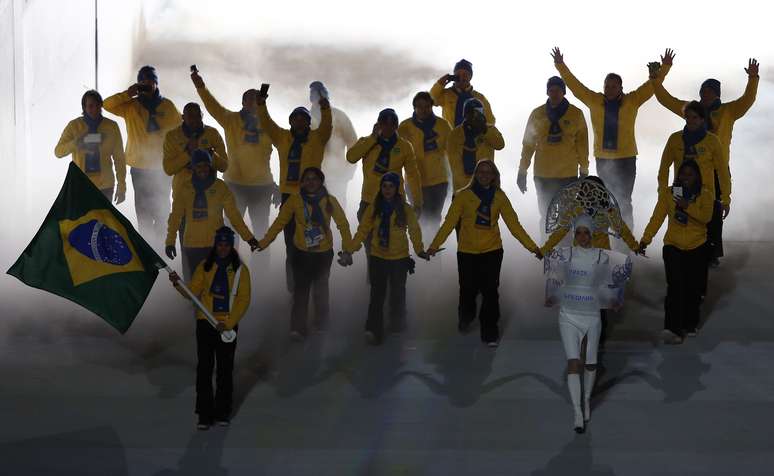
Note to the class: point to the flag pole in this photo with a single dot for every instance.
(225, 336)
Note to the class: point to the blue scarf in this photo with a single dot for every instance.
(554, 114)
(690, 139)
(484, 211)
(317, 218)
(469, 149)
(250, 126)
(610, 134)
(190, 133)
(294, 156)
(219, 288)
(428, 130)
(150, 104)
(92, 163)
(384, 225)
(459, 110)
(712, 108)
(199, 211)
(382, 164)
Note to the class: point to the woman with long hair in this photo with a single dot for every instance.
(311, 210)
(222, 283)
(386, 223)
(476, 209)
(687, 206)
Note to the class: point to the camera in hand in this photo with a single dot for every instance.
(144, 88)
(453, 77)
(194, 69)
(264, 91)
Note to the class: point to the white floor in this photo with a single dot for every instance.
(78, 398)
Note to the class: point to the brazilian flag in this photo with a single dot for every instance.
(89, 253)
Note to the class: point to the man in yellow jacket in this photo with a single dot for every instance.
(299, 148)
(148, 117)
(471, 142)
(557, 135)
(452, 100)
(613, 117)
(428, 135)
(181, 142)
(249, 146)
(385, 151)
(201, 202)
(96, 147)
(721, 119)
(338, 172)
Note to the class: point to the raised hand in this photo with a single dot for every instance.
(668, 57)
(752, 67)
(445, 79)
(653, 68)
(133, 90)
(556, 54)
(197, 80)
(376, 131)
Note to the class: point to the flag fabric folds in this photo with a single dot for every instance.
(89, 253)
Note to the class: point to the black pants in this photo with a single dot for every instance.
(619, 175)
(546, 188)
(210, 349)
(685, 275)
(384, 272)
(191, 259)
(151, 200)
(433, 198)
(311, 272)
(715, 226)
(480, 273)
(290, 248)
(256, 200)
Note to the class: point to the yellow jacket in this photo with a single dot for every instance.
(111, 151)
(398, 248)
(684, 236)
(723, 118)
(710, 158)
(486, 143)
(401, 158)
(447, 99)
(627, 114)
(143, 148)
(248, 161)
(199, 233)
(311, 153)
(473, 238)
(431, 164)
(177, 161)
(599, 239)
(295, 209)
(560, 159)
(201, 282)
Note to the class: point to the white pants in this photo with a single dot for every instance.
(573, 327)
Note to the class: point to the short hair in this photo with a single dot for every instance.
(192, 105)
(615, 76)
(91, 93)
(697, 108)
(423, 96)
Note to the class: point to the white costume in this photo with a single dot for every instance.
(583, 281)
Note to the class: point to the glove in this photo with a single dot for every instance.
(170, 251)
(253, 244)
(521, 181)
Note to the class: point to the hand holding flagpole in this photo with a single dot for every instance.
(225, 336)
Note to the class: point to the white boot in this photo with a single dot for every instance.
(588, 386)
(574, 384)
